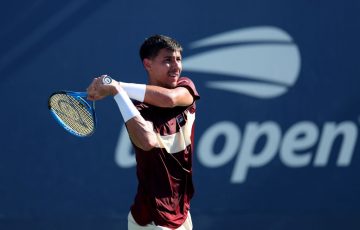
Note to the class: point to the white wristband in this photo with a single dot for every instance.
(127, 108)
(135, 91)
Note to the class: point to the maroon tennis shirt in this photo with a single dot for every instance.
(164, 173)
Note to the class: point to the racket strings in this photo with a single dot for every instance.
(73, 113)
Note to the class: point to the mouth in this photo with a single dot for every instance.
(174, 74)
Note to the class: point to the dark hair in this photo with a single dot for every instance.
(152, 45)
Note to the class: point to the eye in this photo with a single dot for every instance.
(167, 60)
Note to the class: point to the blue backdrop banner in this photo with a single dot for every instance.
(277, 127)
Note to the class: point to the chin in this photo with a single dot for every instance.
(172, 84)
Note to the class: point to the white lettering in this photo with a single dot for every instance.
(206, 153)
(260, 143)
(348, 131)
(299, 137)
(124, 153)
(247, 157)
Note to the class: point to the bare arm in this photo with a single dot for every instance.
(141, 133)
(168, 98)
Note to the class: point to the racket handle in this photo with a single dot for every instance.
(106, 80)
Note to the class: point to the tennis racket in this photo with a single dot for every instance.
(74, 112)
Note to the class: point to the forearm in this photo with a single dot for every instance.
(140, 131)
(158, 96)
(168, 98)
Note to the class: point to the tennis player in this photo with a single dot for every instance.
(159, 117)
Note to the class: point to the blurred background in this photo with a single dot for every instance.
(277, 129)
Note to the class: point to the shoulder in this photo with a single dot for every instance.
(184, 81)
(189, 84)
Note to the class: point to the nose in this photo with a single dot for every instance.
(177, 64)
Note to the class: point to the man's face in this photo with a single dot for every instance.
(164, 70)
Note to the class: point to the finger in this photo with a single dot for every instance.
(90, 97)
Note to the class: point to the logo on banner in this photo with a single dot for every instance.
(261, 62)
(264, 63)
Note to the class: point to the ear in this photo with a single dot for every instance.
(147, 64)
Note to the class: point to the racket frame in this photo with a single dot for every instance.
(80, 97)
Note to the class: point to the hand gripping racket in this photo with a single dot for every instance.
(74, 112)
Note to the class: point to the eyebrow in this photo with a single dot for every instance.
(171, 56)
